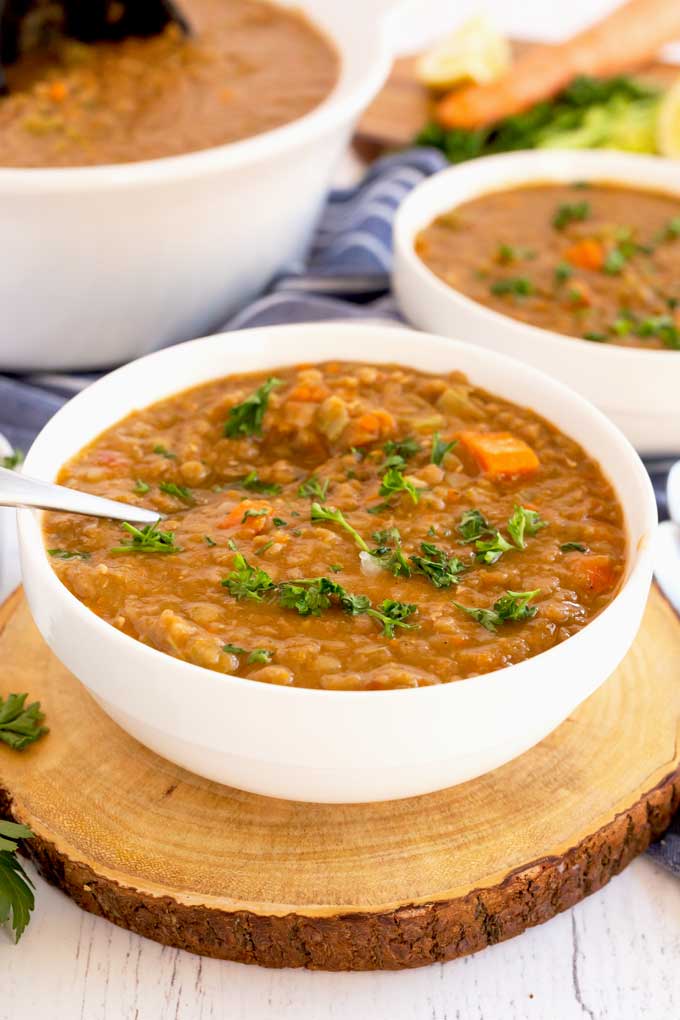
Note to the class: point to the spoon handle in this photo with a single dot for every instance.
(19, 491)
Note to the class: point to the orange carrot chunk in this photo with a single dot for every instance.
(255, 522)
(586, 254)
(594, 573)
(500, 453)
(372, 426)
(309, 393)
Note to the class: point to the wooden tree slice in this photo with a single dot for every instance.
(228, 874)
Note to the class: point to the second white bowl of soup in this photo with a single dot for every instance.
(569, 261)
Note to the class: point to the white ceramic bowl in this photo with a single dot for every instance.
(102, 264)
(637, 389)
(327, 745)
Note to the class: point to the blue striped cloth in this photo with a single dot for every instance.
(346, 276)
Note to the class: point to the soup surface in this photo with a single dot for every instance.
(249, 66)
(601, 262)
(344, 526)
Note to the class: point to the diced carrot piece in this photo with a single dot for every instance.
(255, 525)
(594, 573)
(308, 393)
(371, 426)
(452, 496)
(579, 295)
(586, 254)
(500, 453)
(58, 91)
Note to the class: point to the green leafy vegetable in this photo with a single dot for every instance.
(256, 656)
(20, 724)
(279, 522)
(518, 286)
(12, 460)
(513, 606)
(246, 581)
(234, 649)
(330, 514)
(16, 889)
(524, 522)
(178, 491)
(254, 484)
(393, 614)
(313, 488)
(473, 525)
(254, 513)
(573, 547)
(615, 261)
(163, 452)
(439, 568)
(491, 549)
(671, 232)
(399, 451)
(149, 539)
(570, 212)
(246, 419)
(393, 482)
(209, 541)
(389, 552)
(507, 254)
(312, 596)
(141, 488)
(595, 337)
(440, 448)
(563, 272)
(68, 554)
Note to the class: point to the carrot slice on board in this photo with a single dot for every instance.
(500, 453)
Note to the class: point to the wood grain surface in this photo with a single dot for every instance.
(227, 874)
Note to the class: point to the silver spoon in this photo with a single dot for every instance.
(19, 491)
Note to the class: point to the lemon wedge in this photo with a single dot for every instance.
(668, 122)
(475, 52)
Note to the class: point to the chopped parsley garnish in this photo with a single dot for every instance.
(398, 451)
(513, 606)
(141, 488)
(163, 452)
(256, 656)
(254, 484)
(68, 554)
(393, 614)
(573, 547)
(246, 581)
(178, 491)
(389, 552)
(393, 482)
(473, 525)
(319, 513)
(615, 261)
(507, 254)
(313, 488)
(12, 460)
(662, 327)
(20, 725)
(149, 539)
(336, 568)
(439, 568)
(595, 337)
(378, 508)
(440, 448)
(279, 522)
(519, 286)
(570, 212)
(312, 596)
(563, 272)
(16, 888)
(246, 419)
(490, 550)
(524, 522)
(263, 548)
(209, 541)
(386, 535)
(254, 513)
(671, 232)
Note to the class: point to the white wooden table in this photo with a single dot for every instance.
(614, 956)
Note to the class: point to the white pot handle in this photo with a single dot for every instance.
(411, 25)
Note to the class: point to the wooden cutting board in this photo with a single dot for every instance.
(404, 106)
(232, 875)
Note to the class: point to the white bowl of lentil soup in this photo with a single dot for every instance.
(387, 563)
(567, 260)
(150, 188)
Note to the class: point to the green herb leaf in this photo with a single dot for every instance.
(149, 539)
(254, 484)
(440, 449)
(392, 558)
(20, 724)
(399, 451)
(246, 419)
(473, 525)
(246, 581)
(279, 522)
(12, 460)
(387, 536)
(507, 254)
(392, 615)
(439, 568)
(330, 514)
(260, 655)
(234, 649)
(254, 513)
(519, 286)
(490, 550)
(573, 547)
(513, 606)
(163, 452)
(141, 488)
(524, 522)
(309, 596)
(393, 482)
(671, 231)
(595, 337)
(336, 568)
(563, 272)
(614, 262)
(209, 541)
(68, 554)
(178, 491)
(570, 212)
(16, 889)
(313, 488)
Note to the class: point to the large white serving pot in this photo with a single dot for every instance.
(102, 264)
(637, 389)
(333, 746)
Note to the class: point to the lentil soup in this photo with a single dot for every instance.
(597, 261)
(249, 66)
(345, 527)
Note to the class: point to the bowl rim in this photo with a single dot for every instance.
(345, 99)
(405, 232)
(638, 560)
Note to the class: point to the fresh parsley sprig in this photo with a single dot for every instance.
(246, 581)
(179, 492)
(524, 522)
(570, 212)
(440, 448)
(246, 419)
(513, 606)
(20, 724)
(258, 655)
(149, 539)
(330, 514)
(16, 889)
(441, 570)
(314, 488)
(473, 525)
(399, 451)
(312, 596)
(254, 483)
(393, 482)
(68, 554)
